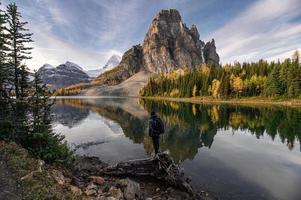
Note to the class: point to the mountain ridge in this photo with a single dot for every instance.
(63, 75)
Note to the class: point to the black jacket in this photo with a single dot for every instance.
(152, 128)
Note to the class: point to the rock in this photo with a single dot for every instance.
(211, 57)
(111, 198)
(91, 189)
(58, 176)
(90, 192)
(75, 190)
(87, 164)
(115, 192)
(169, 44)
(131, 189)
(97, 179)
(41, 163)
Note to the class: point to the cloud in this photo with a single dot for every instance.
(264, 30)
(53, 50)
(88, 32)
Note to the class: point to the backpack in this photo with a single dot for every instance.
(159, 126)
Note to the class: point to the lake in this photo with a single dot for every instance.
(233, 152)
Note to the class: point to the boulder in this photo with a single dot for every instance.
(58, 177)
(97, 179)
(115, 192)
(131, 189)
(91, 189)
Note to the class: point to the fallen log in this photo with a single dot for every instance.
(160, 167)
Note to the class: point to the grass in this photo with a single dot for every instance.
(41, 185)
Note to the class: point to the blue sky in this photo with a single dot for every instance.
(88, 32)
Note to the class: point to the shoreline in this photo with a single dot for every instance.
(87, 178)
(233, 101)
(247, 101)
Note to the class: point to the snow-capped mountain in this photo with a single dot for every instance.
(111, 63)
(63, 75)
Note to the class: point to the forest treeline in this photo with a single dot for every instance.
(25, 115)
(262, 78)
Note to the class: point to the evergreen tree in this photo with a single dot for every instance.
(3, 64)
(18, 37)
(41, 140)
(18, 51)
(273, 87)
(5, 113)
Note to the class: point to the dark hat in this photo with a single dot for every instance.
(153, 113)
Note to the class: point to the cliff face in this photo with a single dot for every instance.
(210, 55)
(169, 44)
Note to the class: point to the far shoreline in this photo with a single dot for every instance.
(258, 101)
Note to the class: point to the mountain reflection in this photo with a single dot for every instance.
(188, 126)
(69, 114)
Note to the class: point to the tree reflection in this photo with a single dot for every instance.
(202, 123)
(192, 126)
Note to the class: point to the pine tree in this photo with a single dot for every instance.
(5, 112)
(273, 87)
(18, 38)
(3, 64)
(18, 51)
(43, 142)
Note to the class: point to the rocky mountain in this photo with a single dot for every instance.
(63, 75)
(168, 44)
(113, 61)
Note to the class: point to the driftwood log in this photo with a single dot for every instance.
(161, 167)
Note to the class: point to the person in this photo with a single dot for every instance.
(156, 128)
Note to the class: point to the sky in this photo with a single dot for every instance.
(88, 32)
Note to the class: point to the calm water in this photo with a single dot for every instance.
(231, 151)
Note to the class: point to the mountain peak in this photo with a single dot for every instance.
(112, 62)
(170, 15)
(47, 66)
(114, 59)
(71, 64)
(169, 44)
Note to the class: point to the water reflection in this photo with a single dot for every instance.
(237, 152)
(190, 126)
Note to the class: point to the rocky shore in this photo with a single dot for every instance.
(89, 178)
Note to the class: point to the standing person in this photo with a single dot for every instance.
(156, 128)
